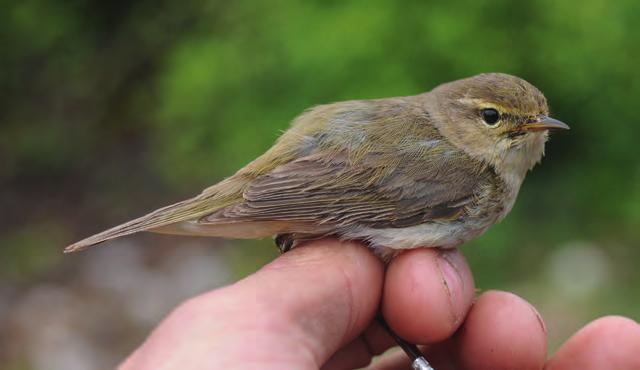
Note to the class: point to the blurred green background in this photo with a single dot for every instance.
(111, 109)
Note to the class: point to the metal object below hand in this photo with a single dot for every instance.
(421, 364)
(414, 353)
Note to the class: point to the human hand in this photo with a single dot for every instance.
(314, 307)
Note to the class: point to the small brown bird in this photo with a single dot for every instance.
(435, 169)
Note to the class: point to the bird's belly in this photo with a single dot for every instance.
(434, 234)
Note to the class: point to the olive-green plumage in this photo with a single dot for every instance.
(435, 169)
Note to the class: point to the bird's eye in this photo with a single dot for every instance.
(490, 116)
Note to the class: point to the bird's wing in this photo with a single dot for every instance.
(378, 190)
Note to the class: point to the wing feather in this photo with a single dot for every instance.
(359, 170)
(337, 192)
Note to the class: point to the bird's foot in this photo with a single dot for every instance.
(284, 242)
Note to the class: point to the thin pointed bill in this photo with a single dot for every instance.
(545, 123)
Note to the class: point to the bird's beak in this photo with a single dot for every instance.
(545, 123)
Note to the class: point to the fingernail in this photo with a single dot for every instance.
(452, 280)
(540, 320)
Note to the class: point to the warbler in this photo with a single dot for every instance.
(430, 170)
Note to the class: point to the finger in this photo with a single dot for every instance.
(427, 293)
(611, 342)
(373, 341)
(501, 331)
(334, 291)
(293, 313)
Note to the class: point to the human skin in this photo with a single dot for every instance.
(314, 308)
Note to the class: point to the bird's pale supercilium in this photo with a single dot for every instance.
(430, 170)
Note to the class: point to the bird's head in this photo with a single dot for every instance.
(500, 119)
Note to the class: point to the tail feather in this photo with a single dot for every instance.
(181, 211)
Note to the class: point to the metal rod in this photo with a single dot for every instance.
(418, 361)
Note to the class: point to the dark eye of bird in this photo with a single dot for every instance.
(490, 116)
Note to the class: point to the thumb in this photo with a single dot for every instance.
(293, 313)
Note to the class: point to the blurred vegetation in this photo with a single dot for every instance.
(110, 109)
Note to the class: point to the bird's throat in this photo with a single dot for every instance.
(512, 163)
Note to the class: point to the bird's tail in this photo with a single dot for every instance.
(186, 210)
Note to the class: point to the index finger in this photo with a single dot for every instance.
(427, 294)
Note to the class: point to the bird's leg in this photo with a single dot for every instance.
(284, 242)
(418, 361)
(287, 241)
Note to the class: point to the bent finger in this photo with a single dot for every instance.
(502, 331)
(611, 342)
(427, 294)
